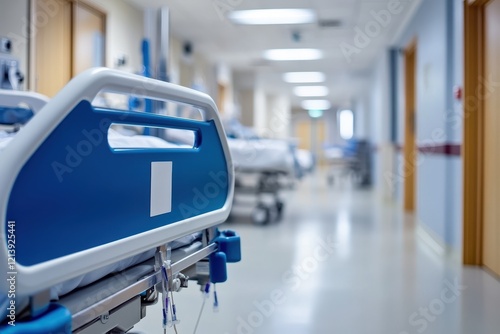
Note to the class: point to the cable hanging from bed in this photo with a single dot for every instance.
(206, 294)
(168, 302)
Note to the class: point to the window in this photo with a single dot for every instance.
(313, 113)
(346, 124)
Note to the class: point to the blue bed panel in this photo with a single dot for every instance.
(75, 192)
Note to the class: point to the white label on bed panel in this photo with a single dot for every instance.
(161, 188)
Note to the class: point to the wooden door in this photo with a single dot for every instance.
(409, 150)
(88, 37)
(221, 97)
(70, 41)
(303, 132)
(312, 136)
(52, 48)
(491, 189)
(320, 134)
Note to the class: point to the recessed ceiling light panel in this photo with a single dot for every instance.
(310, 91)
(273, 16)
(304, 77)
(293, 54)
(316, 104)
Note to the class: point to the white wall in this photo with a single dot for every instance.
(260, 111)
(124, 33)
(14, 25)
(454, 133)
(246, 101)
(332, 128)
(278, 120)
(224, 76)
(379, 101)
(380, 128)
(174, 61)
(361, 117)
(438, 27)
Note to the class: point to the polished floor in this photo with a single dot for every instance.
(341, 261)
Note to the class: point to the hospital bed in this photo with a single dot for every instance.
(349, 161)
(263, 168)
(306, 161)
(120, 223)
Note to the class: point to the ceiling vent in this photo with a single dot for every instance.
(260, 63)
(329, 23)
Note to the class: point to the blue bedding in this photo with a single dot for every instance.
(11, 116)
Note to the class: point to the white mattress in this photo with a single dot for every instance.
(116, 140)
(305, 159)
(261, 155)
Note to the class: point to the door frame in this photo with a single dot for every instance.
(221, 97)
(410, 148)
(473, 141)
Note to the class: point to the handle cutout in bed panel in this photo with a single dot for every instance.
(136, 103)
(130, 137)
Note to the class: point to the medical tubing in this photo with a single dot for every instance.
(205, 292)
(175, 321)
(165, 299)
(216, 301)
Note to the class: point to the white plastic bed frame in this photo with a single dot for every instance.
(13, 98)
(33, 278)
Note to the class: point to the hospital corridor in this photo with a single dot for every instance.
(249, 167)
(347, 264)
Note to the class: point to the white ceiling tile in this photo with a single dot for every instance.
(203, 23)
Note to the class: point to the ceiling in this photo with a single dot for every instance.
(204, 24)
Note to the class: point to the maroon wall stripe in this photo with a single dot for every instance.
(442, 149)
(445, 149)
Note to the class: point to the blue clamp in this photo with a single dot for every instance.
(229, 251)
(57, 319)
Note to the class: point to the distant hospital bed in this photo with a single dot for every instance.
(349, 161)
(264, 168)
(79, 202)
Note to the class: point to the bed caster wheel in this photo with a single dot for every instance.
(280, 206)
(261, 215)
(273, 214)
